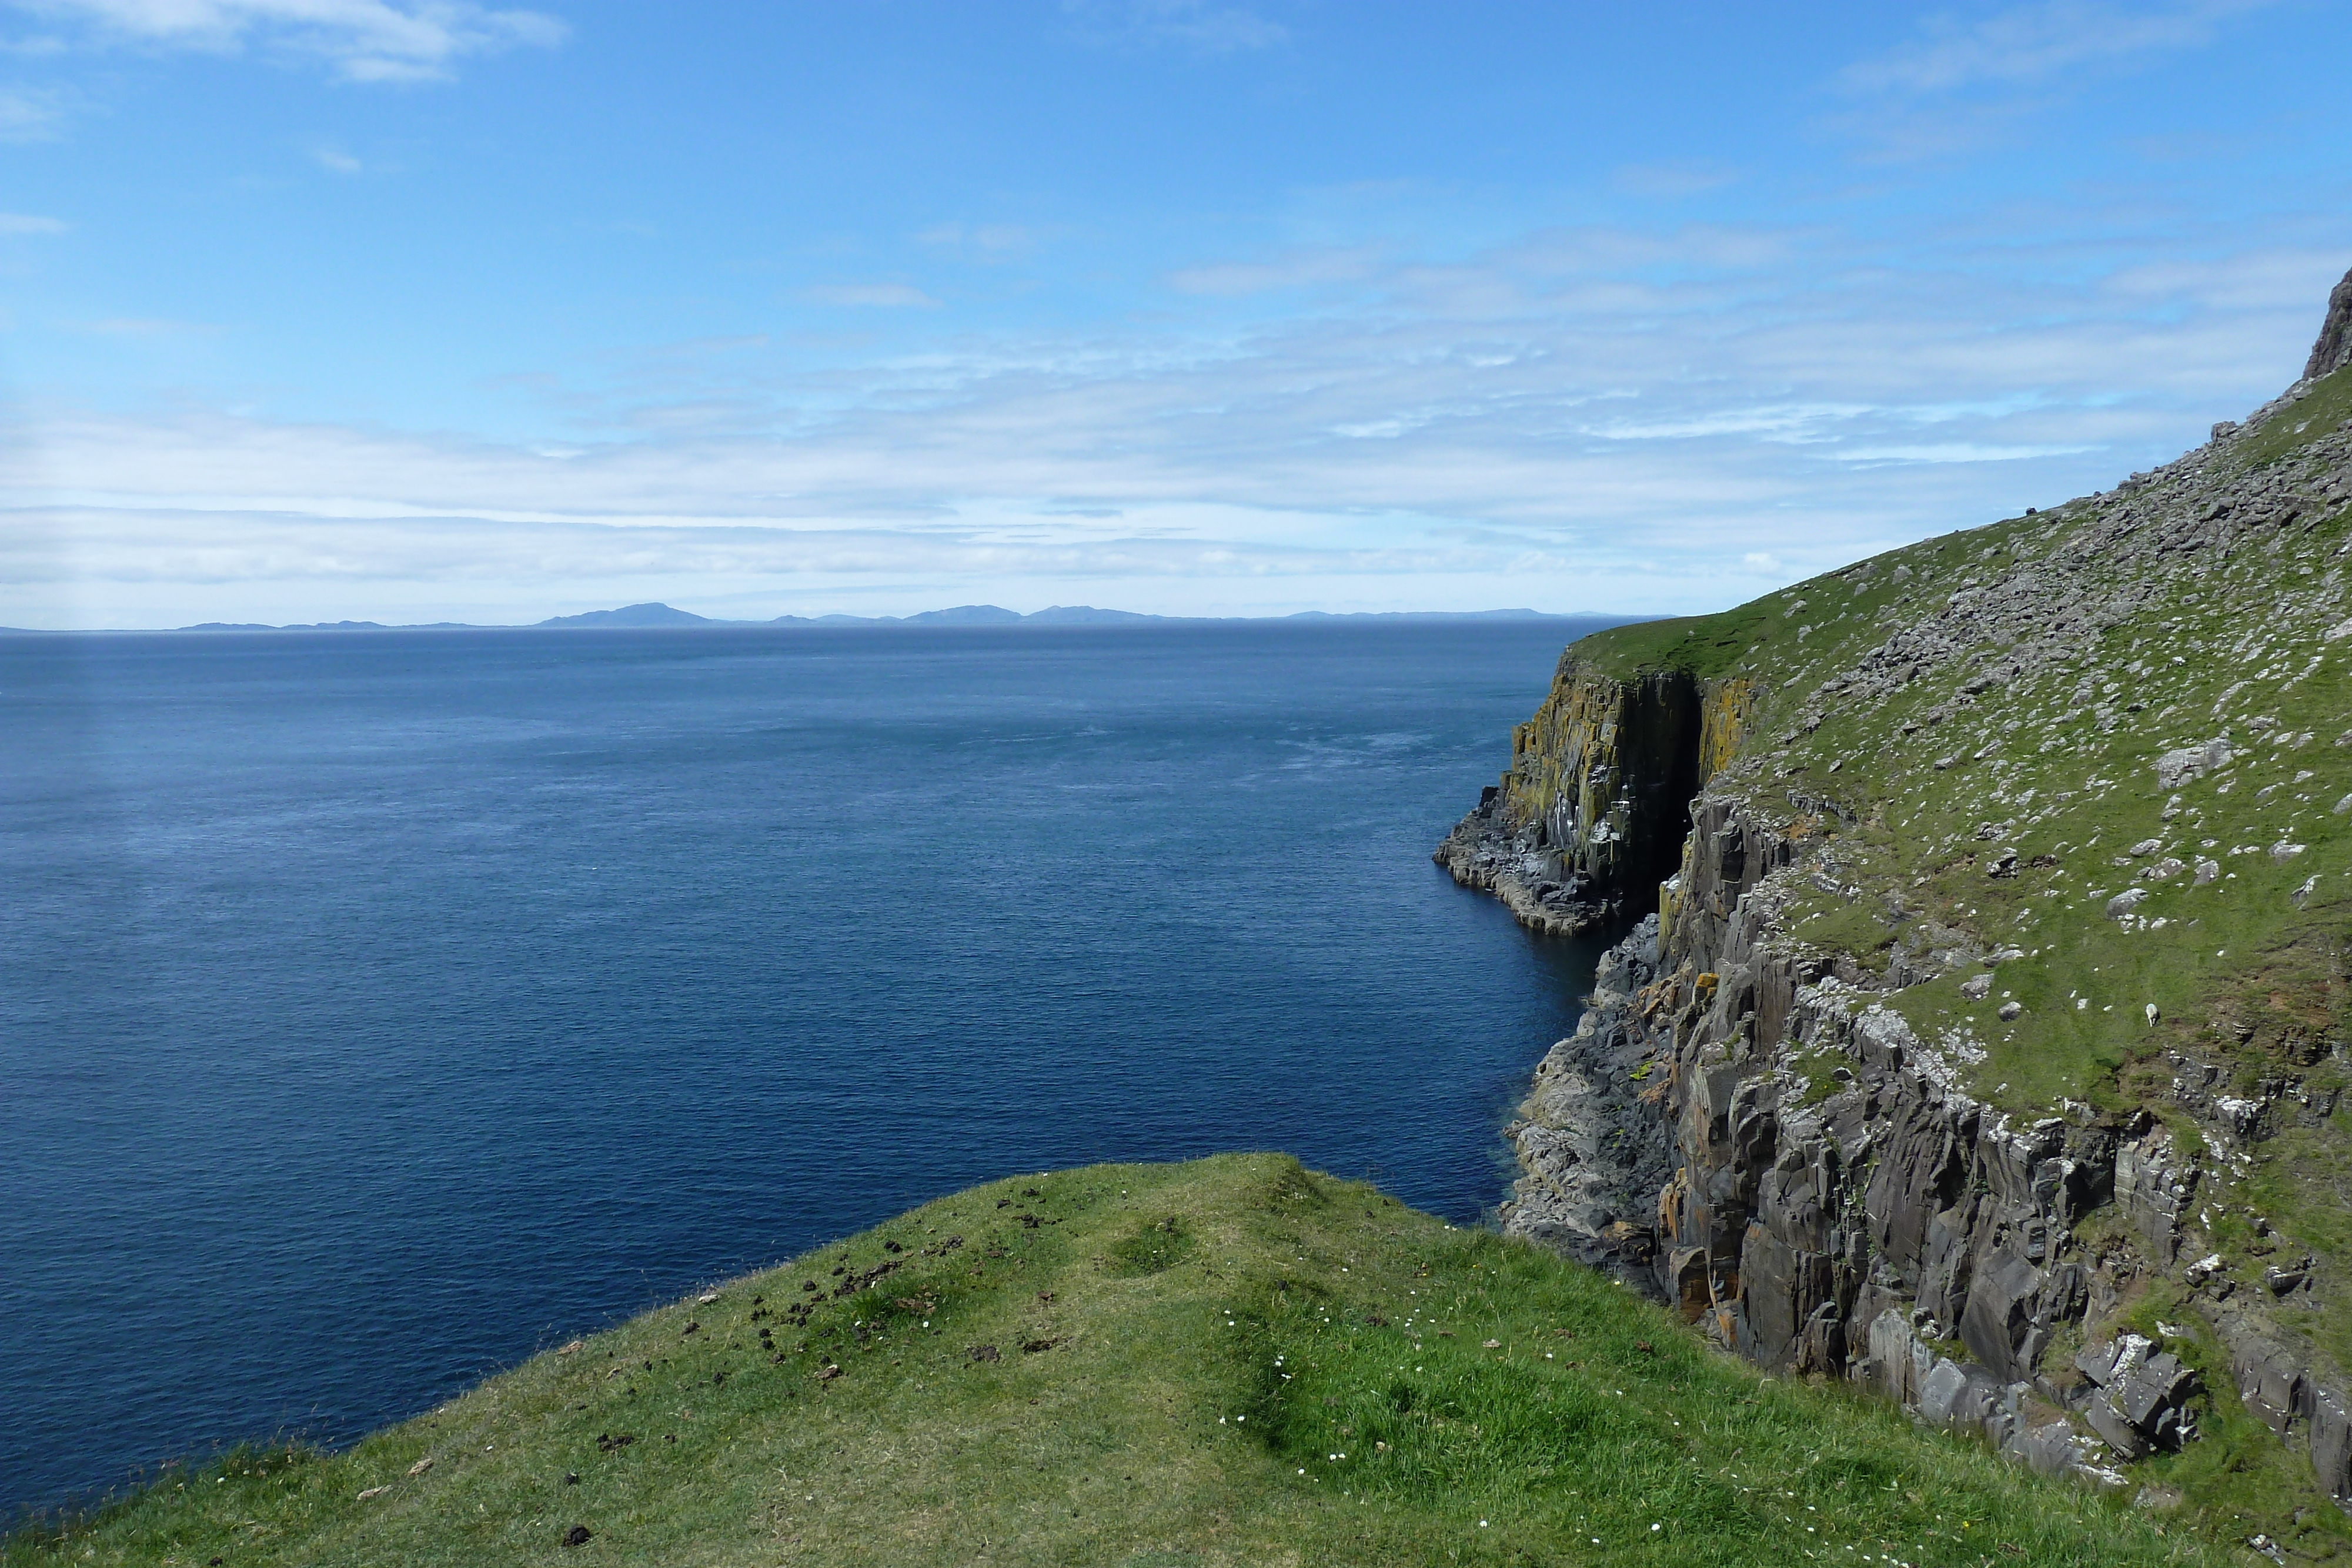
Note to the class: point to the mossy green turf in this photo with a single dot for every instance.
(1296, 1371)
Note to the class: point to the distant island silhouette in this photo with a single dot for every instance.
(655, 616)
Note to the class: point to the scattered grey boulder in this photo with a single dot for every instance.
(2124, 902)
(1976, 988)
(1957, 1397)
(2097, 1362)
(2146, 846)
(2179, 766)
(2163, 870)
(2331, 1444)
(2048, 1450)
(1897, 1363)
(2282, 851)
(2207, 870)
(2011, 1009)
(2142, 1404)
(2116, 1432)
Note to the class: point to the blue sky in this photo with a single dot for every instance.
(399, 310)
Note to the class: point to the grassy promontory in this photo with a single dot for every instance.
(1232, 1360)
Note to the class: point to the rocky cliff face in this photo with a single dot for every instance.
(1982, 1036)
(2333, 352)
(1592, 813)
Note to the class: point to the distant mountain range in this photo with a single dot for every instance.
(630, 616)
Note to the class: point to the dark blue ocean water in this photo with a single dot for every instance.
(376, 1008)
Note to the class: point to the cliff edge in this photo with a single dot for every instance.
(1983, 1036)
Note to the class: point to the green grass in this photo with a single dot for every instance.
(1296, 1371)
(2322, 410)
(2236, 1468)
(1940, 767)
(1700, 645)
(2060, 764)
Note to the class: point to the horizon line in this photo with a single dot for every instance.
(650, 616)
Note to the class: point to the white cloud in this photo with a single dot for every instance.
(27, 223)
(1299, 270)
(1962, 86)
(364, 40)
(1950, 452)
(334, 160)
(1662, 419)
(885, 296)
(986, 242)
(2032, 43)
(28, 115)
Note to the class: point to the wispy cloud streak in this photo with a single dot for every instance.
(364, 40)
(2033, 43)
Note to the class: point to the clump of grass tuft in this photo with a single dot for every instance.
(1161, 1244)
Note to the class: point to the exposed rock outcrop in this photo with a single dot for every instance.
(1806, 1143)
(2333, 352)
(1591, 814)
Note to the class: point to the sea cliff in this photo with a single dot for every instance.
(1979, 1025)
(1593, 809)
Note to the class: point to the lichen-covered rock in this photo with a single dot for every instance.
(2187, 764)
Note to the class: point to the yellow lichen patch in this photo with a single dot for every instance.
(1727, 710)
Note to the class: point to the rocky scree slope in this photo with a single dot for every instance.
(1983, 1038)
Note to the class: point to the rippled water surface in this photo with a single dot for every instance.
(376, 1008)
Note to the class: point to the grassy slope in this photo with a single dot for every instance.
(2238, 970)
(1296, 1372)
(2093, 793)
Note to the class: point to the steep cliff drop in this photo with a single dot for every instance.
(1984, 1043)
(1593, 814)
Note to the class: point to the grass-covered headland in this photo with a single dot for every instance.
(1233, 1361)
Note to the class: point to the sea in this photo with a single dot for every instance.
(378, 1008)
